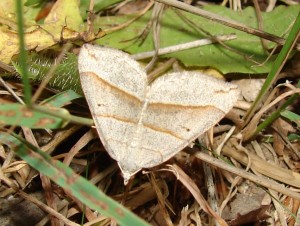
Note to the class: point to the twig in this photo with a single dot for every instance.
(259, 180)
(188, 45)
(225, 21)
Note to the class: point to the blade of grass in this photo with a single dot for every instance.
(61, 98)
(76, 185)
(278, 64)
(39, 116)
(276, 113)
(67, 117)
(291, 116)
(20, 115)
(294, 137)
(23, 54)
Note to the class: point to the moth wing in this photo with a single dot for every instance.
(114, 86)
(182, 106)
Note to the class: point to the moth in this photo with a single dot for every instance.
(142, 125)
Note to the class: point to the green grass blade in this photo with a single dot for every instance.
(291, 116)
(278, 64)
(61, 114)
(294, 137)
(23, 54)
(277, 113)
(38, 116)
(20, 115)
(61, 99)
(76, 185)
